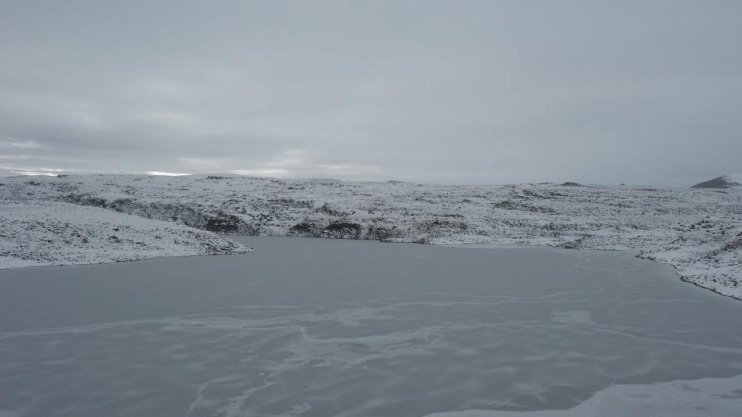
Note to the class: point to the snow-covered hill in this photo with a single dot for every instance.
(53, 233)
(725, 181)
(734, 179)
(699, 231)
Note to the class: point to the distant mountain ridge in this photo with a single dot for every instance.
(725, 181)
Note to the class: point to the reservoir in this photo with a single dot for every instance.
(323, 328)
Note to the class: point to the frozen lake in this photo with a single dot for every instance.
(347, 328)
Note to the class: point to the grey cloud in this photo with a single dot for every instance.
(472, 91)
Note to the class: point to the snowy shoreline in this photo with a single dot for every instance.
(111, 218)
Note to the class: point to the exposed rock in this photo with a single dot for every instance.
(342, 230)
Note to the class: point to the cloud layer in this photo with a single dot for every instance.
(457, 92)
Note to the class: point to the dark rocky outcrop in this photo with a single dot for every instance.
(383, 233)
(218, 222)
(342, 230)
(224, 223)
(345, 230)
(305, 229)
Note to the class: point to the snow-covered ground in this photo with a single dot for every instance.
(698, 231)
(54, 233)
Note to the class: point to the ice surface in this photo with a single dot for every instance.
(708, 397)
(347, 328)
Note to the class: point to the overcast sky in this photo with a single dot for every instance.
(485, 91)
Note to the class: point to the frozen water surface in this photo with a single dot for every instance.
(348, 328)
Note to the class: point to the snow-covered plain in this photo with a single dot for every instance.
(698, 231)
